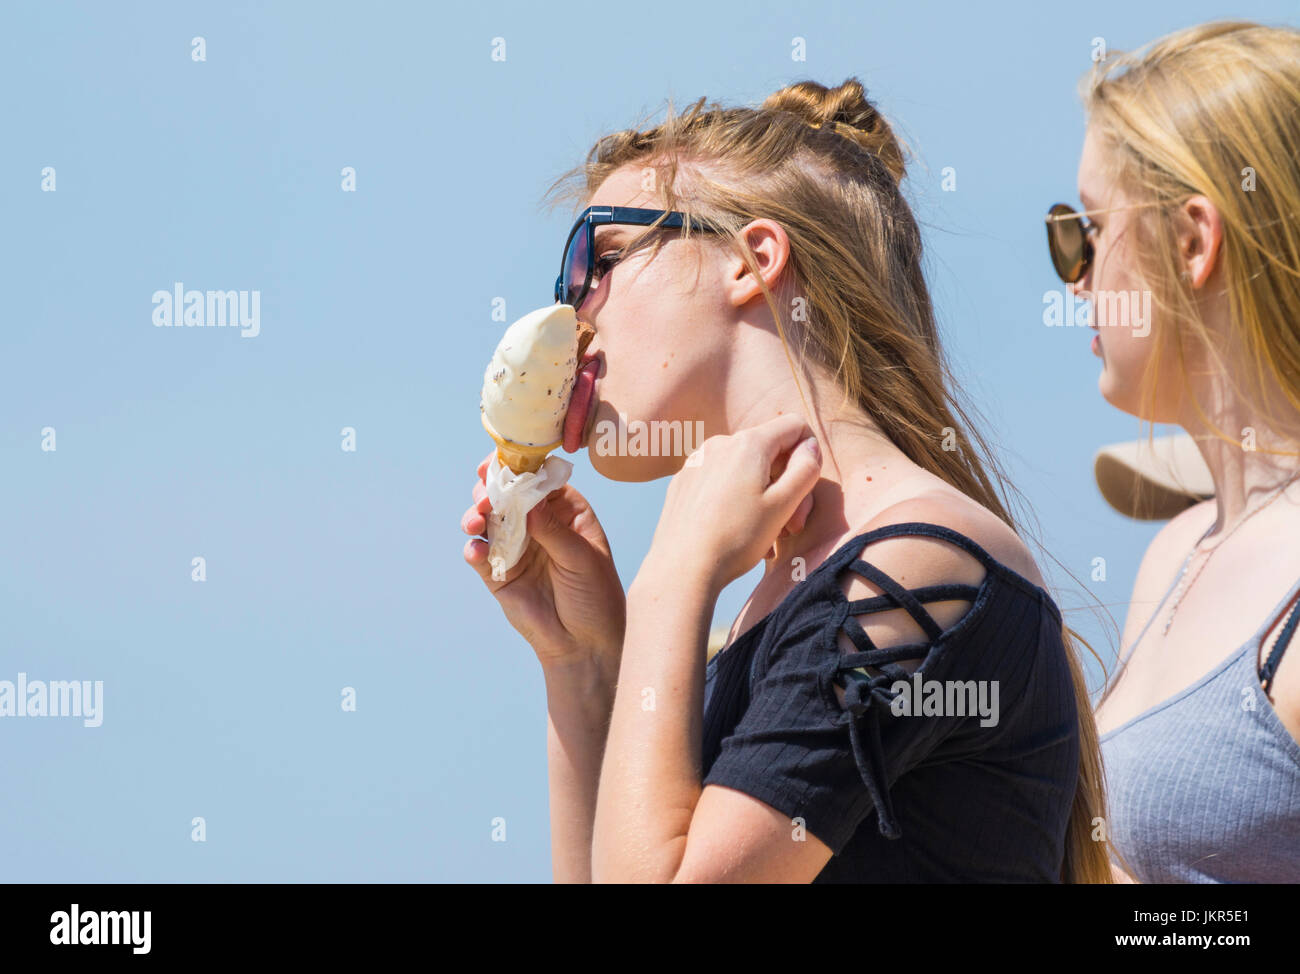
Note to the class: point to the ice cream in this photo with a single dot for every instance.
(527, 384)
(525, 398)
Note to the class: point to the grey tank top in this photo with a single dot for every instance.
(1204, 787)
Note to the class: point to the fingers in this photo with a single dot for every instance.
(474, 520)
(788, 437)
(476, 556)
(800, 516)
(475, 551)
(553, 523)
(550, 528)
(789, 491)
(778, 435)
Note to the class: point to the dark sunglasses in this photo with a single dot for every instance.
(1069, 237)
(1069, 243)
(578, 265)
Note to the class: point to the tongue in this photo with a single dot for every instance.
(579, 404)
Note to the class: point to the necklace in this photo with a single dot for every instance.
(1185, 584)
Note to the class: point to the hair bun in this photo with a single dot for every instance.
(846, 104)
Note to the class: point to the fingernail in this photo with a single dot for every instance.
(814, 448)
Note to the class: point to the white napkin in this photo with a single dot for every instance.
(513, 495)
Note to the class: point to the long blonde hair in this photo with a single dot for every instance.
(856, 255)
(1214, 110)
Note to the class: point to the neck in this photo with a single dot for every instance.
(860, 467)
(1244, 470)
(1253, 460)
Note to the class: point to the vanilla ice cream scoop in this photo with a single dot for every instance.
(527, 384)
(525, 397)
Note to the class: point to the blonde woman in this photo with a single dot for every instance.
(759, 272)
(1190, 184)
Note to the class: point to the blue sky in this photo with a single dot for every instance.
(328, 568)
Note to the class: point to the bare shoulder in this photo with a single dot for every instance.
(1161, 562)
(935, 561)
(1173, 541)
(1158, 568)
(917, 562)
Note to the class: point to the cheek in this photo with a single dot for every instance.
(655, 381)
(661, 343)
(668, 321)
(1127, 351)
(1118, 302)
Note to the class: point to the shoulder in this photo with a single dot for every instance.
(1175, 539)
(926, 560)
(1161, 561)
(916, 562)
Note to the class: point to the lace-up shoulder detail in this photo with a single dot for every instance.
(817, 712)
(890, 635)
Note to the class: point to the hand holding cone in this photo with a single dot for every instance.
(526, 391)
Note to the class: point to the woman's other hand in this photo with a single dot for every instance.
(734, 497)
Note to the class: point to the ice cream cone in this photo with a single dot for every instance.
(516, 456)
(585, 334)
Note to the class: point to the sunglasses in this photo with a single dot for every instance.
(1069, 243)
(1069, 237)
(578, 266)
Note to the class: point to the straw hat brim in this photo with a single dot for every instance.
(1153, 480)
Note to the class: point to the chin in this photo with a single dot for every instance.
(617, 462)
(1127, 397)
(1117, 394)
(631, 470)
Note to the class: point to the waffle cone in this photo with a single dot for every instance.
(516, 456)
(585, 334)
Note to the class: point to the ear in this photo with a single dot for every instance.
(1199, 238)
(771, 247)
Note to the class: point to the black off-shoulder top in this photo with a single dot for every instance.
(917, 777)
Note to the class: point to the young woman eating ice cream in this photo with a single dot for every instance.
(790, 316)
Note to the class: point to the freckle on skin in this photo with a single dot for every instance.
(868, 477)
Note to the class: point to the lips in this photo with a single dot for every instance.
(580, 402)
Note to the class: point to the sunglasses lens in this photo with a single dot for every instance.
(1065, 240)
(575, 265)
